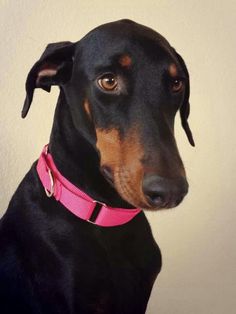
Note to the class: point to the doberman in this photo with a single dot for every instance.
(113, 140)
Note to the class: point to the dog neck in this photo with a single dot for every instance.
(77, 159)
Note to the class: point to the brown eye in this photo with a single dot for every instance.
(177, 85)
(108, 82)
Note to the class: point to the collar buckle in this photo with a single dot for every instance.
(96, 211)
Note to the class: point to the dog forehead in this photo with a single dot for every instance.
(122, 38)
(122, 33)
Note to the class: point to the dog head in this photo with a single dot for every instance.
(128, 83)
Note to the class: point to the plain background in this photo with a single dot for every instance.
(197, 238)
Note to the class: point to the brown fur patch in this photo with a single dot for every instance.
(124, 158)
(125, 61)
(173, 70)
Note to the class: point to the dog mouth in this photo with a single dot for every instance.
(121, 182)
(132, 189)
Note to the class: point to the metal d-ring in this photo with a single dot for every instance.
(51, 192)
(103, 204)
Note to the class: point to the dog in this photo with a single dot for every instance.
(75, 238)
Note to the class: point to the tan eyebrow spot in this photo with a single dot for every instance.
(125, 61)
(173, 70)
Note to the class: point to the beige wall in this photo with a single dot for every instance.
(198, 238)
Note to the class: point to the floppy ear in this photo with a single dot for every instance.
(185, 108)
(53, 68)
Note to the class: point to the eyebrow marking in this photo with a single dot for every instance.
(125, 61)
(173, 70)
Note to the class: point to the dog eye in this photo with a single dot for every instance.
(177, 85)
(108, 82)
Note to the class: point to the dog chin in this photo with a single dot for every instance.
(154, 209)
(159, 208)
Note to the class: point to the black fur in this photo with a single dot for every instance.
(51, 261)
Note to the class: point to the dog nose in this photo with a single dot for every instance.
(163, 192)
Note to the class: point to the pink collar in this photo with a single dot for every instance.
(76, 201)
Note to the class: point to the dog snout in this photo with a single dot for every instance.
(163, 192)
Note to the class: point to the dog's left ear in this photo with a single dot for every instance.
(185, 108)
(53, 68)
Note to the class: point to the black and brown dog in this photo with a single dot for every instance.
(113, 137)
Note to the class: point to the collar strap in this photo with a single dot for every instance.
(76, 201)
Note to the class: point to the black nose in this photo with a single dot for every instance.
(163, 192)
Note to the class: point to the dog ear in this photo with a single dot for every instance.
(53, 68)
(185, 108)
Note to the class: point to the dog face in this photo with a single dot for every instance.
(127, 83)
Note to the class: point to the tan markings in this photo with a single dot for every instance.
(108, 144)
(124, 158)
(125, 61)
(173, 70)
(87, 108)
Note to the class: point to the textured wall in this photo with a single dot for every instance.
(197, 238)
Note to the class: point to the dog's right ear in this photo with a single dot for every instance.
(53, 68)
